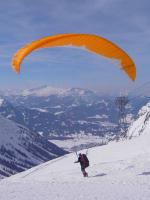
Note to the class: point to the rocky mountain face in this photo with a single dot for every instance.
(21, 149)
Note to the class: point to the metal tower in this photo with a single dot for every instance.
(121, 103)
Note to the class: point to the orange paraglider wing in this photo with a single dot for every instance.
(91, 42)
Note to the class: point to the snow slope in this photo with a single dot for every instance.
(118, 171)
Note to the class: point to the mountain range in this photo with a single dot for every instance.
(30, 118)
(65, 112)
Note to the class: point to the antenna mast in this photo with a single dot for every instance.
(121, 103)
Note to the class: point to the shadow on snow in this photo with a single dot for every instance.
(145, 173)
(98, 175)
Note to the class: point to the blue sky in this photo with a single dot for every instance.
(125, 22)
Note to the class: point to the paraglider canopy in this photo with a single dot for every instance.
(93, 43)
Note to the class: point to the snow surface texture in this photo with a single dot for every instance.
(118, 171)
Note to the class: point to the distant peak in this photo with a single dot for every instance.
(44, 91)
(50, 90)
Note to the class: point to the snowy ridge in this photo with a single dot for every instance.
(142, 123)
(118, 171)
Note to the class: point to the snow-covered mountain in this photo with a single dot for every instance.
(142, 124)
(21, 149)
(119, 170)
(9, 111)
(44, 91)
